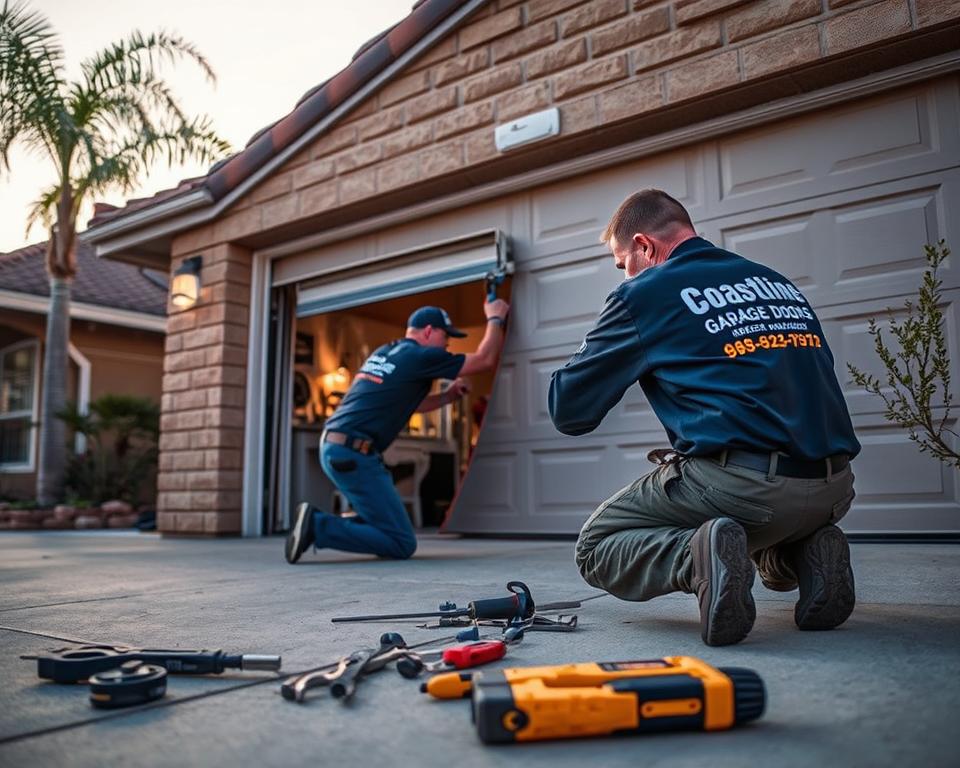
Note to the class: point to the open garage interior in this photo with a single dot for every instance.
(433, 452)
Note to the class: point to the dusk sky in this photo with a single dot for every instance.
(266, 56)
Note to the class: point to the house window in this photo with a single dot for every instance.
(18, 405)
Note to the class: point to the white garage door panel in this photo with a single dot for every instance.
(892, 136)
(572, 214)
(841, 202)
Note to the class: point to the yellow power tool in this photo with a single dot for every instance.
(600, 699)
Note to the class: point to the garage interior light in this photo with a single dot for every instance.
(185, 290)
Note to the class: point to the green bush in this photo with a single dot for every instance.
(121, 457)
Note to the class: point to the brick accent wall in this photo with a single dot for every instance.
(608, 65)
(203, 401)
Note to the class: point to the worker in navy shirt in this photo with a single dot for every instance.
(391, 385)
(735, 365)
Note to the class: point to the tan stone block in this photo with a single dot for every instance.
(364, 110)
(536, 36)
(566, 54)
(339, 138)
(172, 343)
(781, 52)
(319, 198)
(186, 460)
(403, 88)
(238, 225)
(173, 382)
(172, 481)
(623, 33)
(191, 241)
(202, 337)
(358, 186)
(190, 522)
(930, 12)
(407, 140)
(207, 480)
(192, 398)
(174, 441)
(221, 416)
(866, 25)
(769, 14)
(493, 81)
(187, 419)
(381, 123)
(533, 98)
(677, 45)
(437, 53)
(590, 76)
(276, 213)
(635, 98)
(224, 437)
(431, 104)
(401, 172)
(358, 157)
(688, 11)
(463, 119)
(232, 271)
(461, 66)
(591, 15)
(223, 458)
(231, 375)
(234, 397)
(274, 186)
(166, 522)
(489, 28)
(441, 158)
(226, 355)
(577, 116)
(540, 9)
(173, 500)
(638, 4)
(703, 77)
(313, 173)
(184, 361)
(480, 147)
(182, 321)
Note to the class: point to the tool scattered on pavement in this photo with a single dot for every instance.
(132, 683)
(456, 657)
(599, 699)
(75, 664)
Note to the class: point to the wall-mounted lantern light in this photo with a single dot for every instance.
(186, 283)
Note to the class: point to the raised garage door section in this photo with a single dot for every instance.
(841, 201)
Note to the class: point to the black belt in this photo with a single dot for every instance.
(786, 466)
(362, 445)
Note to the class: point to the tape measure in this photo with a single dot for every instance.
(132, 683)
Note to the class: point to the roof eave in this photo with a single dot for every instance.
(140, 229)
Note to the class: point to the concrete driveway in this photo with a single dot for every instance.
(882, 690)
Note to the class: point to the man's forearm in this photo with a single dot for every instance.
(433, 402)
(492, 342)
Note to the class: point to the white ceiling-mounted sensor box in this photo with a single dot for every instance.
(529, 128)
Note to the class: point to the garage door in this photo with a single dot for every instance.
(840, 201)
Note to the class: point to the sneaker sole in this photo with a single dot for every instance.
(293, 550)
(831, 597)
(731, 609)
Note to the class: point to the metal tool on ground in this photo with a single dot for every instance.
(601, 699)
(456, 657)
(343, 678)
(132, 683)
(75, 664)
(536, 623)
(519, 603)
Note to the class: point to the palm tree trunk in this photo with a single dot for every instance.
(53, 431)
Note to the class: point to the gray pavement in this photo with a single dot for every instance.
(882, 690)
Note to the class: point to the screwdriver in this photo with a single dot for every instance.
(457, 657)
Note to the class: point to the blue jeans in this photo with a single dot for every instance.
(386, 530)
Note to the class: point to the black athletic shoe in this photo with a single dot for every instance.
(722, 577)
(301, 534)
(827, 594)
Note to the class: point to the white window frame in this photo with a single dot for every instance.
(31, 464)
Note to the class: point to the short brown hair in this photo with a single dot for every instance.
(649, 210)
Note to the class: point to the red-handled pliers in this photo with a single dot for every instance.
(456, 657)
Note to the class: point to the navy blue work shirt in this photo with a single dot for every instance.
(727, 351)
(388, 388)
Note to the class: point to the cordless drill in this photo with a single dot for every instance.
(600, 699)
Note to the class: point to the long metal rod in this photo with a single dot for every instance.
(389, 616)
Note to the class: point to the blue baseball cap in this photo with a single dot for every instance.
(436, 317)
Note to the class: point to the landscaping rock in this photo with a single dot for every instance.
(116, 507)
(123, 521)
(88, 521)
(20, 516)
(64, 512)
(15, 525)
(56, 523)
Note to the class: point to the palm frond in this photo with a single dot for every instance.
(43, 209)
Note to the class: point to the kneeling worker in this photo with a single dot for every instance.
(388, 389)
(734, 363)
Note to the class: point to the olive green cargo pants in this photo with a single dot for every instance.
(635, 545)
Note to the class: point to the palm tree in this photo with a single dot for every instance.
(100, 132)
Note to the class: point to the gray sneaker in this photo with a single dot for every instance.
(301, 534)
(827, 594)
(722, 577)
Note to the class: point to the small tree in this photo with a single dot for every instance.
(918, 369)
